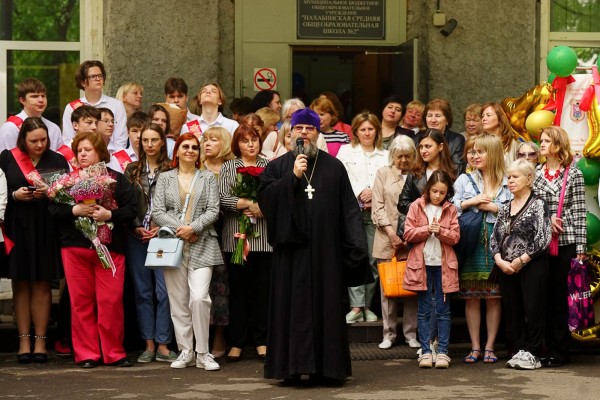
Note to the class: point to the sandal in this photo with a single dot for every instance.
(472, 358)
(490, 357)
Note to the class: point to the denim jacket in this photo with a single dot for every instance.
(464, 190)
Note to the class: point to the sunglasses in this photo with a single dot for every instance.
(531, 154)
(187, 147)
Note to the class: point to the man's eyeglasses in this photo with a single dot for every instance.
(187, 147)
(95, 77)
(108, 121)
(530, 154)
(474, 153)
(302, 128)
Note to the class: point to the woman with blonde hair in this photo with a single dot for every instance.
(473, 124)
(569, 228)
(130, 94)
(495, 122)
(270, 119)
(362, 159)
(483, 190)
(386, 243)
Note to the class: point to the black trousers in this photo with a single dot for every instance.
(524, 304)
(558, 336)
(249, 299)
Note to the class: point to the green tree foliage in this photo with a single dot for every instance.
(42, 20)
(577, 16)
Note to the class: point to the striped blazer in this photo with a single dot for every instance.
(167, 207)
(227, 179)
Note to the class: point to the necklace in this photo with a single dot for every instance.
(548, 176)
(309, 189)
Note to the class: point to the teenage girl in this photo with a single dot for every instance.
(432, 228)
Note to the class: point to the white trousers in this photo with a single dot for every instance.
(389, 315)
(190, 304)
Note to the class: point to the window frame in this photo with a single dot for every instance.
(549, 39)
(90, 46)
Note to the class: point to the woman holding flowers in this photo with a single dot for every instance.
(93, 206)
(245, 243)
(154, 321)
(34, 261)
(186, 200)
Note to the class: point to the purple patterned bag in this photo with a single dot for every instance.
(581, 307)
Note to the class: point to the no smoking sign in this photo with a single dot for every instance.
(265, 79)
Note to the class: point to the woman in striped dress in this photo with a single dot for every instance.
(248, 283)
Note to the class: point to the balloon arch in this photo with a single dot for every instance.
(569, 101)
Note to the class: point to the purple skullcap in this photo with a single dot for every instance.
(306, 116)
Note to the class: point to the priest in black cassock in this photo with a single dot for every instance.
(319, 249)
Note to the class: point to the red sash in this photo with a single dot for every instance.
(8, 244)
(75, 104)
(68, 154)
(123, 158)
(15, 120)
(25, 165)
(194, 127)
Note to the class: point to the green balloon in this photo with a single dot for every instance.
(590, 168)
(562, 60)
(551, 77)
(593, 228)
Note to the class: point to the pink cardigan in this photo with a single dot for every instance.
(416, 232)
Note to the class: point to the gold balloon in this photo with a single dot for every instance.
(538, 120)
(517, 110)
(591, 334)
(592, 145)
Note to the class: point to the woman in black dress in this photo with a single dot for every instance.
(34, 261)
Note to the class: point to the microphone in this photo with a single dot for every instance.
(300, 145)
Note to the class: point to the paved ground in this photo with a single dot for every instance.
(376, 379)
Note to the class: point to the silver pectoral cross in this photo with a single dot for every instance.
(309, 189)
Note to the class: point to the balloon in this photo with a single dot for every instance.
(592, 145)
(517, 109)
(551, 77)
(562, 60)
(538, 120)
(593, 228)
(590, 168)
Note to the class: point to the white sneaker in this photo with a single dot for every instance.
(207, 361)
(386, 344)
(413, 343)
(185, 359)
(516, 358)
(528, 361)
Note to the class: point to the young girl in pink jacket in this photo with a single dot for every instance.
(432, 228)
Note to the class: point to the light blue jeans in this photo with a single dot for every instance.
(442, 309)
(154, 324)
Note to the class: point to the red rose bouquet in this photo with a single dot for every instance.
(246, 186)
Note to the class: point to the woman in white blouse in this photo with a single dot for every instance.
(362, 158)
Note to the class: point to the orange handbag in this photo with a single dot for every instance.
(391, 275)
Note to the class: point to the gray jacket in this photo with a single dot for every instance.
(167, 207)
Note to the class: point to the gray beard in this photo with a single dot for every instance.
(310, 151)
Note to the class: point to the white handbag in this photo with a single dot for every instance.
(165, 251)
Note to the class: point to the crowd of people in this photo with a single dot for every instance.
(392, 184)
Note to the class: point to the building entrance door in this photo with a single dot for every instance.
(360, 76)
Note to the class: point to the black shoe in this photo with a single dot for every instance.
(122, 363)
(551, 362)
(88, 364)
(40, 358)
(24, 358)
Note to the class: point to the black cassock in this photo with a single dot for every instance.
(319, 248)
